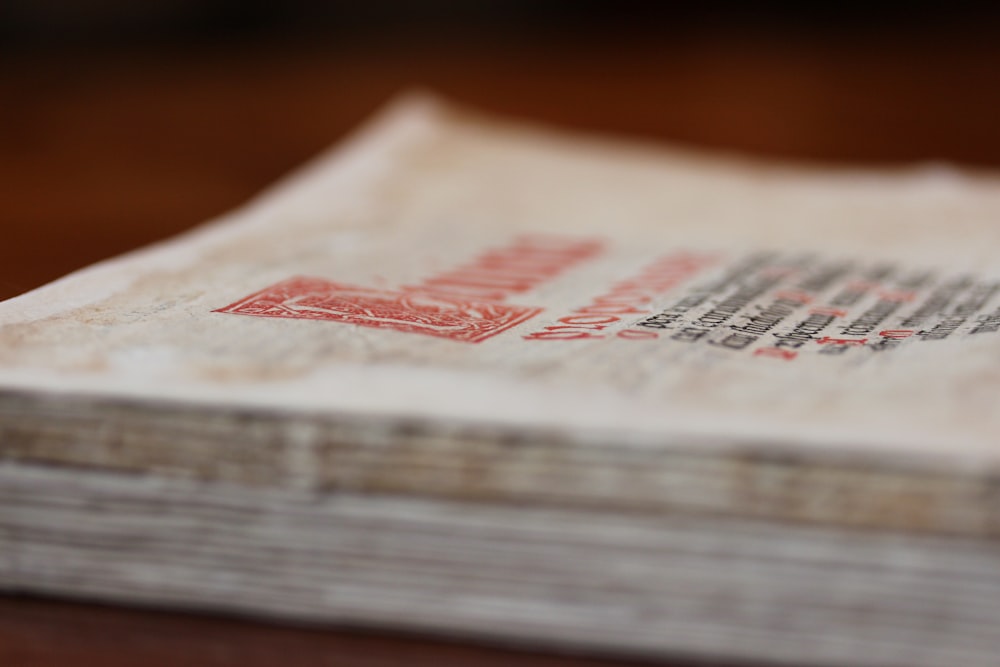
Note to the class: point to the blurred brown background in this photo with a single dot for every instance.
(123, 122)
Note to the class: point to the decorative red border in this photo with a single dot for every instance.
(431, 314)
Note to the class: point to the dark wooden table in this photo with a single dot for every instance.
(104, 152)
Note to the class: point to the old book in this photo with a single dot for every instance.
(468, 377)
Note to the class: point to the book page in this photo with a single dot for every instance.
(451, 267)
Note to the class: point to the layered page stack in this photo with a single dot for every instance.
(471, 378)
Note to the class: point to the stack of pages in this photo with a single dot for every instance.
(484, 380)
